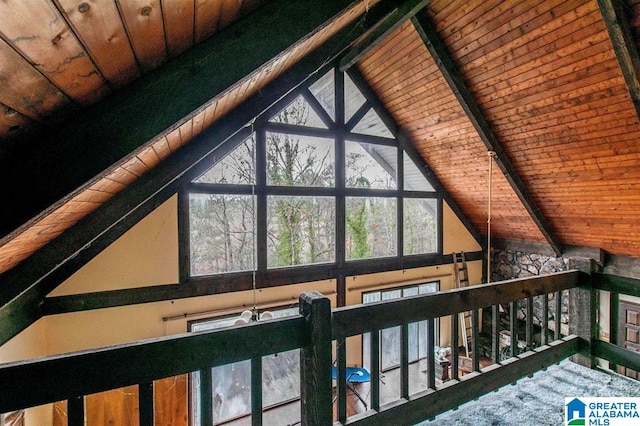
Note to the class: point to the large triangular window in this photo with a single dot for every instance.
(311, 183)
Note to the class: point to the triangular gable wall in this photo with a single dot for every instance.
(196, 159)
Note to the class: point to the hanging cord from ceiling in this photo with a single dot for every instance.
(492, 155)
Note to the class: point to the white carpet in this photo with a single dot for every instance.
(539, 400)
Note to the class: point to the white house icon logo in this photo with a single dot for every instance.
(576, 412)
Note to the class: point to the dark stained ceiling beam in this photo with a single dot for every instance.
(455, 79)
(380, 31)
(23, 288)
(617, 22)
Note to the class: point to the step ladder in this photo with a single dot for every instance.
(462, 281)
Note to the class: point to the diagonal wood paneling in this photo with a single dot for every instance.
(546, 77)
(408, 81)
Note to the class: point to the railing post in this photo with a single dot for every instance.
(315, 361)
(583, 304)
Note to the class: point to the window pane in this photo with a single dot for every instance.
(231, 383)
(280, 377)
(238, 167)
(371, 124)
(370, 227)
(299, 113)
(420, 225)
(324, 91)
(294, 160)
(221, 233)
(231, 390)
(370, 166)
(353, 98)
(414, 180)
(300, 230)
(390, 337)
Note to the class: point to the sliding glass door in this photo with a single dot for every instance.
(390, 337)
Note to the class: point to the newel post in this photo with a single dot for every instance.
(315, 360)
(583, 311)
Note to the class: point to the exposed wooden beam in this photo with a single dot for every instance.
(617, 22)
(31, 280)
(410, 149)
(455, 79)
(616, 284)
(227, 283)
(380, 31)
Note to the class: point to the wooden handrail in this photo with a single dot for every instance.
(354, 320)
(69, 376)
(40, 381)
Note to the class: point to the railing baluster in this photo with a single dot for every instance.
(614, 316)
(529, 324)
(375, 369)
(145, 403)
(455, 326)
(475, 326)
(431, 356)
(75, 411)
(558, 331)
(495, 333)
(404, 361)
(341, 385)
(513, 318)
(206, 397)
(544, 337)
(256, 391)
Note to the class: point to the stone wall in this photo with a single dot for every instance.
(508, 264)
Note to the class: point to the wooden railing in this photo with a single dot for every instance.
(318, 331)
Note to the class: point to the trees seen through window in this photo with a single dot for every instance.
(287, 175)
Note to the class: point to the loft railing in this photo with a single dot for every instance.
(321, 334)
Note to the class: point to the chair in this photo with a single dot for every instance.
(354, 375)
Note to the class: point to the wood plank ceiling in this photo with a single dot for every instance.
(546, 78)
(543, 73)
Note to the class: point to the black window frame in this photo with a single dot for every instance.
(339, 131)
